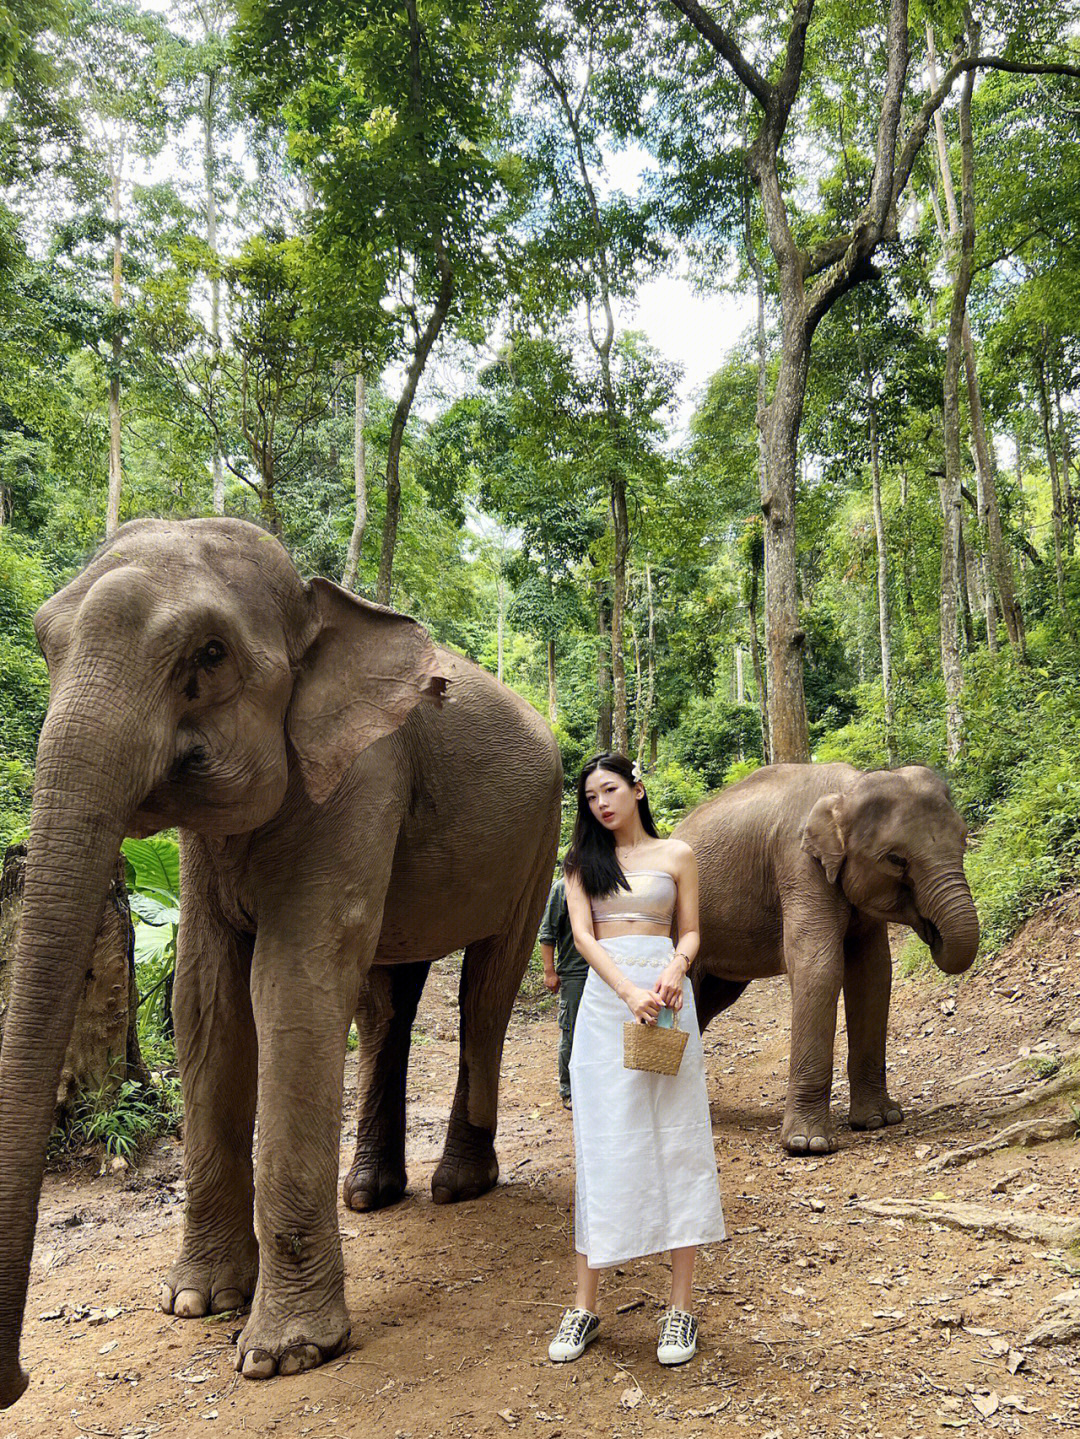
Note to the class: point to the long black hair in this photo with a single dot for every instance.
(591, 856)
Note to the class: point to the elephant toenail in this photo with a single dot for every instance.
(225, 1300)
(295, 1361)
(165, 1299)
(257, 1364)
(819, 1146)
(874, 1122)
(189, 1304)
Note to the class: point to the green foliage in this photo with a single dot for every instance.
(674, 790)
(24, 682)
(153, 881)
(712, 735)
(119, 1122)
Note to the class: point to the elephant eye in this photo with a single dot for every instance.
(897, 859)
(211, 654)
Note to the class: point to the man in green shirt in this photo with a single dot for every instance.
(565, 973)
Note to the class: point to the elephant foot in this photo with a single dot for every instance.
(370, 1184)
(194, 1287)
(873, 1111)
(292, 1341)
(467, 1169)
(13, 1382)
(805, 1135)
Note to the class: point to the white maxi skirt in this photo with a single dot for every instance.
(646, 1170)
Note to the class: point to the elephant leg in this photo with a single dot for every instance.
(714, 995)
(490, 976)
(384, 1019)
(216, 1051)
(304, 988)
(867, 987)
(813, 958)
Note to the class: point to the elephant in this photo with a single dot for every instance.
(337, 835)
(802, 868)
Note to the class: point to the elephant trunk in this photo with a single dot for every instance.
(951, 922)
(84, 797)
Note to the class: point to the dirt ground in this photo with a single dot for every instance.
(818, 1316)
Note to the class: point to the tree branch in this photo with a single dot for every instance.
(788, 86)
(728, 50)
(917, 133)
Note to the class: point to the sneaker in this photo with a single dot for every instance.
(678, 1337)
(577, 1329)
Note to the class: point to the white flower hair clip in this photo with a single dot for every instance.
(636, 772)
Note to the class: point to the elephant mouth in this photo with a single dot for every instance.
(930, 935)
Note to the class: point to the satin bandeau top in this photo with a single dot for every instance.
(649, 900)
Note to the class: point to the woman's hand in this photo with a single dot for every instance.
(642, 1005)
(668, 988)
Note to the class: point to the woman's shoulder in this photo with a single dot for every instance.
(672, 855)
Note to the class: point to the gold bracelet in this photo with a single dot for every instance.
(685, 957)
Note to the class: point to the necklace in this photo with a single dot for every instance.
(626, 850)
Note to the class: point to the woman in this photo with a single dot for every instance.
(646, 1171)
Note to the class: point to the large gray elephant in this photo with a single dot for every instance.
(802, 868)
(337, 835)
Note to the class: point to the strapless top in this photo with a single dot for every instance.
(649, 900)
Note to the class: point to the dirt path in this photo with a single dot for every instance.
(818, 1318)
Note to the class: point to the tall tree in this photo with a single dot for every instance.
(813, 269)
(602, 245)
(112, 45)
(394, 118)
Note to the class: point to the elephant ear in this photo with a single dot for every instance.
(364, 671)
(823, 836)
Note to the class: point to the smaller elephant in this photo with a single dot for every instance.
(802, 868)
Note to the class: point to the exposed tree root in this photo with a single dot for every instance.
(1060, 1323)
(1026, 1133)
(1056, 1229)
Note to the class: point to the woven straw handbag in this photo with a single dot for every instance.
(650, 1047)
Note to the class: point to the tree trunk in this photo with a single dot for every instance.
(989, 512)
(603, 674)
(952, 540)
(103, 1050)
(500, 620)
(210, 172)
(599, 267)
(759, 669)
(645, 714)
(422, 350)
(760, 413)
(553, 698)
(884, 636)
(740, 684)
(1055, 480)
(967, 603)
(352, 559)
(1067, 494)
(112, 513)
(618, 611)
(785, 638)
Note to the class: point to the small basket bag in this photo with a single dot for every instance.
(649, 1047)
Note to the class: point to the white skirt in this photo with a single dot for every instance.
(646, 1170)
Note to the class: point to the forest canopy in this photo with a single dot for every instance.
(366, 275)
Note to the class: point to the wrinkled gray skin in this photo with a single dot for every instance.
(801, 869)
(337, 834)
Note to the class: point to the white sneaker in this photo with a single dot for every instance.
(678, 1337)
(577, 1329)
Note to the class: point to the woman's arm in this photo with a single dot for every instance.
(668, 988)
(641, 1004)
